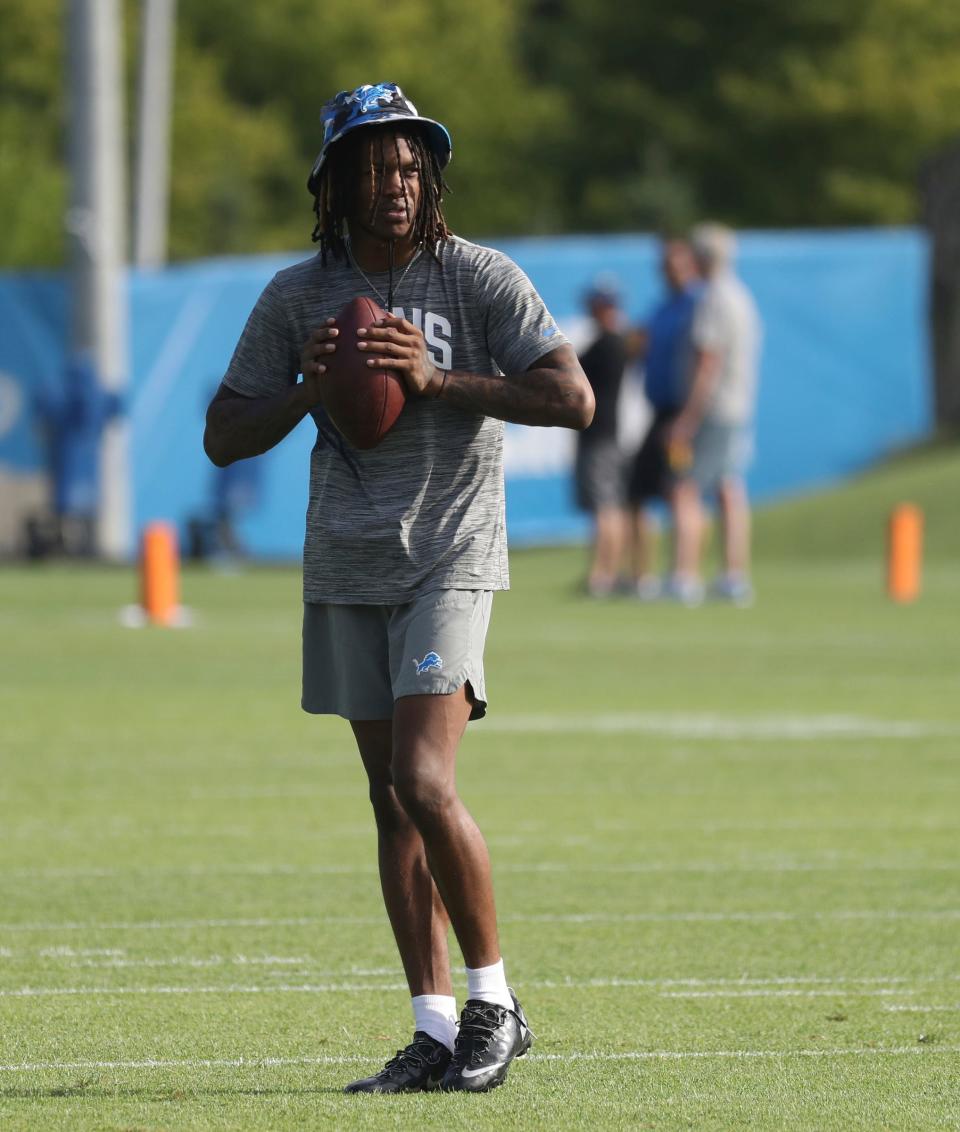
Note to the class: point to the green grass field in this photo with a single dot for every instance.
(725, 847)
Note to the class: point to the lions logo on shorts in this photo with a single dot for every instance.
(431, 660)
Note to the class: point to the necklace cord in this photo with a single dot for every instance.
(376, 290)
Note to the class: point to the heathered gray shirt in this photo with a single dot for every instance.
(424, 510)
(726, 323)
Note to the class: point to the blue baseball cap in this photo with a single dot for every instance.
(371, 105)
(604, 290)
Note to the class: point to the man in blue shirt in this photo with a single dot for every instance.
(663, 345)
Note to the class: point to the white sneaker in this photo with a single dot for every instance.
(648, 588)
(733, 588)
(686, 591)
(601, 587)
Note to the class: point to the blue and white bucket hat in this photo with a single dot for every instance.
(372, 105)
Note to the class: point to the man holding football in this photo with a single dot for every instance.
(405, 542)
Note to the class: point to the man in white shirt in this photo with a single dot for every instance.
(712, 438)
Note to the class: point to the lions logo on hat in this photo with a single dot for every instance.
(372, 105)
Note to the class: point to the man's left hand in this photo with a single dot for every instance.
(681, 431)
(395, 343)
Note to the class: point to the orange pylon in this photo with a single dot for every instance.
(904, 552)
(160, 573)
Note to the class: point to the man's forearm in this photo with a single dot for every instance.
(535, 397)
(239, 427)
(705, 376)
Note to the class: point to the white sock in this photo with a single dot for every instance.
(436, 1015)
(489, 984)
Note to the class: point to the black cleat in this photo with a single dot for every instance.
(417, 1069)
(490, 1037)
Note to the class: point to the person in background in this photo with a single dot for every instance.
(663, 345)
(713, 433)
(599, 470)
(235, 491)
(72, 416)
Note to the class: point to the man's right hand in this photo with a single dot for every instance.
(314, 352)
(239, 426)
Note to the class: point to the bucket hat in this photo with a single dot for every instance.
(373, 105)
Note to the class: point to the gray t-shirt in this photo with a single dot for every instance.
(727, 324)
(424, 510)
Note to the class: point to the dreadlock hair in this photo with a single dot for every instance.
(337, 187)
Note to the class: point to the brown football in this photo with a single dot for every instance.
(362, 402)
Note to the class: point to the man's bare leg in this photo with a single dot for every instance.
(642, 544)
(426, 734)
(688, 528)
(734, 583)
(610, 529)
(685, 584)
(493, 1030)
(417, 915)
(735, 519)
(644, 538)
(420, 925)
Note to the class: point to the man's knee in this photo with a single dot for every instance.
(424, 793)
(685, 491)
(731, 492)
(388, 811)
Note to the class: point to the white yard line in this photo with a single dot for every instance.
(117, 960)
(279, 988)
(260, 869)
(532, 832)
(860, 992)
(731, 917)
(778, 981)
(743, 866)
(109, 872)
(188, 961)
(917, 1009)
(867, 915)
(709, 726)
(179, 925)
(785, 825)
(309, 789)
(586, 1055)
(759, 988)
(738, 1054)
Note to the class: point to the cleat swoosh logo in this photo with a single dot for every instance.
(483, 1069)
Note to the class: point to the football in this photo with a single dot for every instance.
(362, 402)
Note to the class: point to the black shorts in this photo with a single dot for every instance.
(650, 476)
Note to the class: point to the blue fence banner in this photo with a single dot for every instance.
(844, 377)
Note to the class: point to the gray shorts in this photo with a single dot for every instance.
(599, 474)
(359, 659)
(720, 450)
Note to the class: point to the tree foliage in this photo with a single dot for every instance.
(764, 112)
(32, 142)
(459, 63)
(566, 116)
